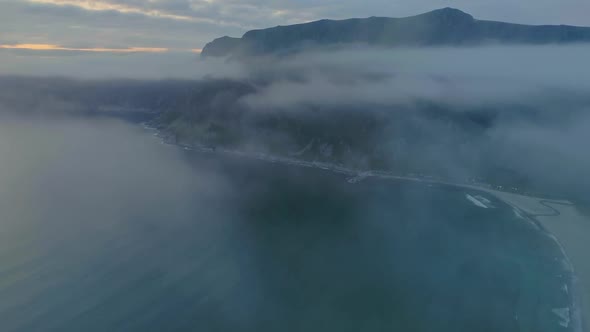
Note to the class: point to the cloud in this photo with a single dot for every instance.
(508, 114)
(460, 111)
(190, 24)
(465, 77)
(158, 10)
(28, 23)
(550, 153)
(113, 6)
(110, 65)
(76, 178)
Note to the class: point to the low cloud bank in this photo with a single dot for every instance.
(510, 115)
(530, 105)
(84, 65)
(454, 76)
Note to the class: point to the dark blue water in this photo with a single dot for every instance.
(273, 248)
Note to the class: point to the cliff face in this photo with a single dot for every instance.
(441, 27)
(222, 46)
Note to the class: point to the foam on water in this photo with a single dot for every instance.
(564, 316)
(476, 201)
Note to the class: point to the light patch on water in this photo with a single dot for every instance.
(564, 316)
(476, 201)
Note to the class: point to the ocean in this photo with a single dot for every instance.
(104, 229)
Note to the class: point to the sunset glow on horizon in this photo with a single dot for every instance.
(52, 47)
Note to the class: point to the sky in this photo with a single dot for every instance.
(36, 32)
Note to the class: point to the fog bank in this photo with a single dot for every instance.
(454, 76)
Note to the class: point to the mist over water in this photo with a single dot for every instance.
(80, 200)
(303, 182)
(104, 228)
(141, 66)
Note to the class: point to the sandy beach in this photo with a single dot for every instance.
(572, 231)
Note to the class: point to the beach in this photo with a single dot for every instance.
(571, 230)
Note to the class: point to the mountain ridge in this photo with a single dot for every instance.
(441, 27)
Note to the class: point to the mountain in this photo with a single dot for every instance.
(443, 27)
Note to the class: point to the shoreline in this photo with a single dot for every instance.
(575, 319)
(355, 175)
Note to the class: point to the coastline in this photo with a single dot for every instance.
(551, 223)
(354, 175)
(531, 208)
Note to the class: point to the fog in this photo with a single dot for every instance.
(63, 175)
(99, 65)
(533, 99)
(92, 209)
(99, 219)
(519, 108)
(104, 228)
(454, 76)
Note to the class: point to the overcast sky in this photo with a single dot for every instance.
(46, 29)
